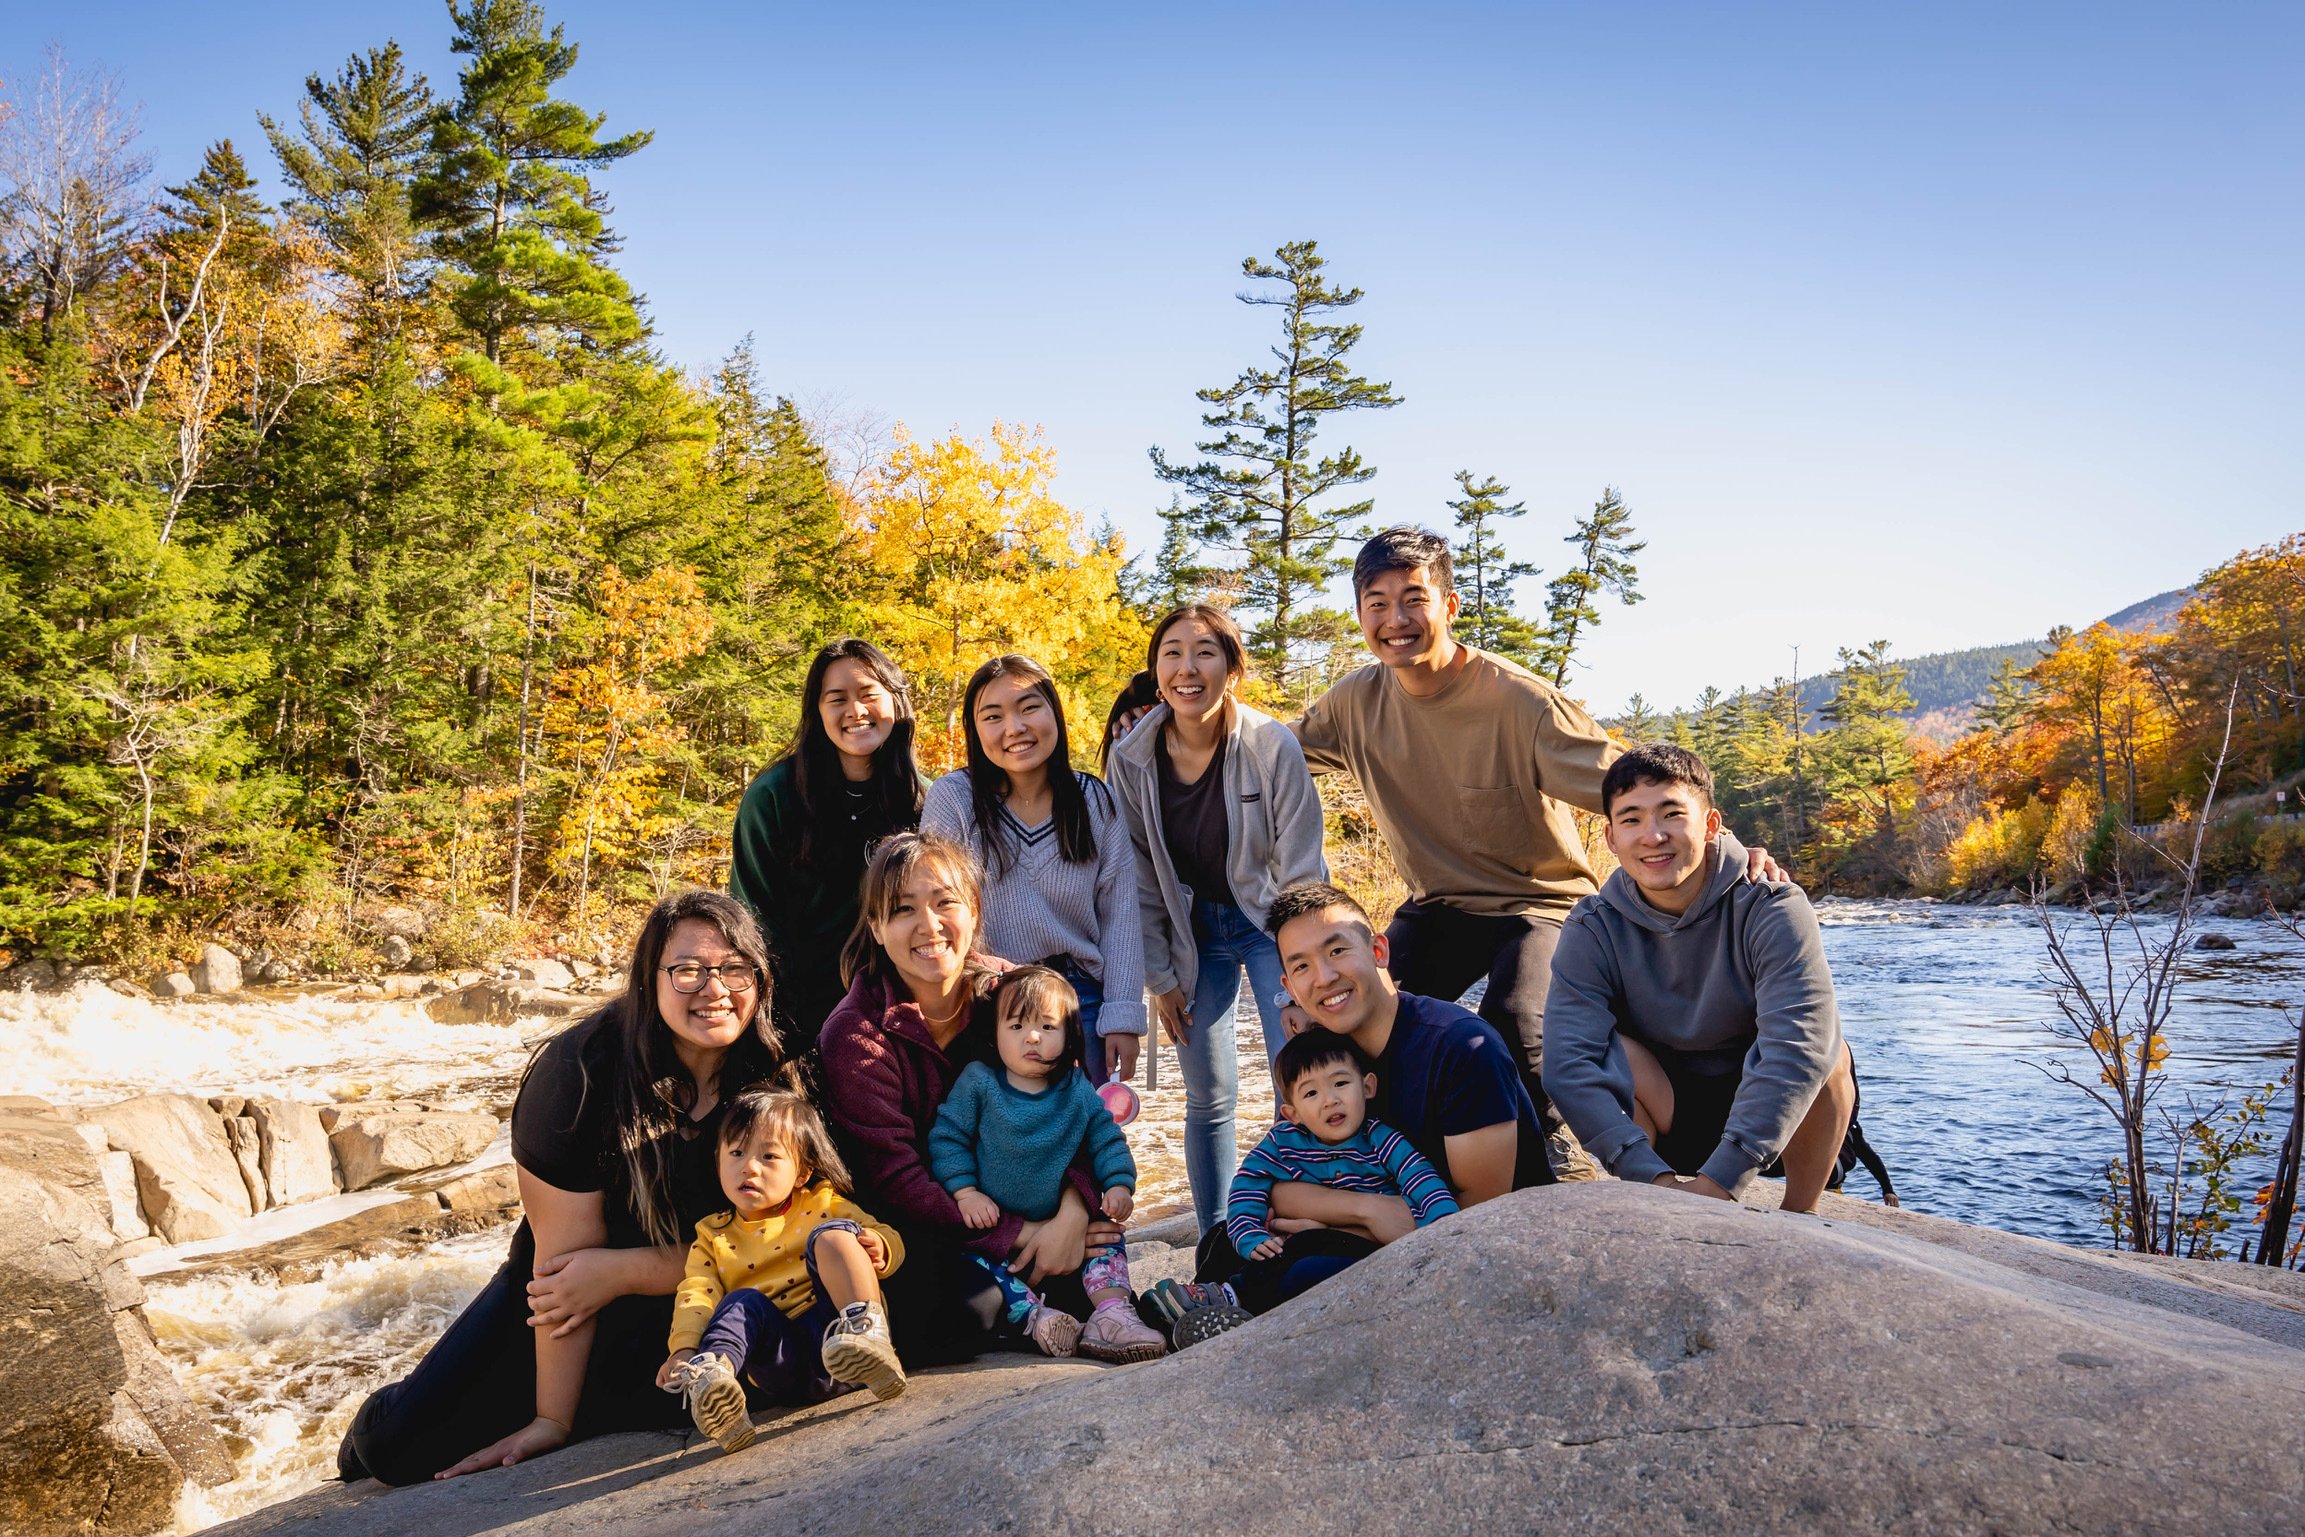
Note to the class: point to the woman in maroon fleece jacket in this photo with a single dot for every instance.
(913, 1018)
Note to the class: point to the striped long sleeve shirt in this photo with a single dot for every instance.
(1375, 1159)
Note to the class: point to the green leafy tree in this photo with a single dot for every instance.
(506, 191)
(1605, 552)
(1261, 492)
(1866, 749)
(1486, 574)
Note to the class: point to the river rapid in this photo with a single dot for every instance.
(1943, 1006)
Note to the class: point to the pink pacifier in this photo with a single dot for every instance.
(1118, 1098)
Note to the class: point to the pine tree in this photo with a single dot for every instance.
(1867, 750)
(1485, 574)
(506, 192)
(1260, 491)
(1604, 565)
(364, 135)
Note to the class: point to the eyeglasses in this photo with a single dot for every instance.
(736, 976)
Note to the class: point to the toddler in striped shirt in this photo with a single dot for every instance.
(1325, 1137)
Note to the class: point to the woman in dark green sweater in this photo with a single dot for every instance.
(849, 780)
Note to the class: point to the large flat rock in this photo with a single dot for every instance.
(1597, 1357)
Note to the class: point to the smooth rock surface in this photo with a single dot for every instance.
(1596, 1357)
(395, 950)
(218, 970)
(95, 1434)
(187, 1179)
(373, 1146)
(298, 1163)
(500, 1002)
(543, 971)
(174, 984)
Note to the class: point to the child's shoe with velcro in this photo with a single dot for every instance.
(1115, 1333)
(1173, 1299)
(857, 1349)
(716, 1400)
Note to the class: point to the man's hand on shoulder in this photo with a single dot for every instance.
(1764, 871)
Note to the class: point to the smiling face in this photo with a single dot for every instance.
(1406, 619)
(1191, 669)
(760, 1174)
(1335, 969)
(1330, 1101)
(1662, 833)
(1016, 724)
(858, 712)
(1031, 1037)
(715, 1015)
(928, 930)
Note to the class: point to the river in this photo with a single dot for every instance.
(1943, 1007)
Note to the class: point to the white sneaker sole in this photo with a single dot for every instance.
(867, 1363)
(719, 1411)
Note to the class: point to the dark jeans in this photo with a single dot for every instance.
(477, 1384)
(1306, 1259)
(1439, 952)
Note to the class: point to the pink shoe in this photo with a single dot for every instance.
(1115, 1333)
(1056, 1333)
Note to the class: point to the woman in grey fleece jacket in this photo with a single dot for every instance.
(1224, 816)
(1691, 1028)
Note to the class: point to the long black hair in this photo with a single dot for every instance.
(650, 1092)
(988, 781)
(895, 782)
(1142, 693)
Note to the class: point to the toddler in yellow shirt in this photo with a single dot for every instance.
(782, 1293)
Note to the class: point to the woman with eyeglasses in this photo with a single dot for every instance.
(804, 826)
(614, 1139)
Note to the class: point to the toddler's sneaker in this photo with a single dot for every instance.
(716, 1400)
(1173, 1299)
(857, 1349)
(1056, 1333)
(1115, 1333)
(1207, 1322)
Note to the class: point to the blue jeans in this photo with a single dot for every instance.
(1091, 993)
(1227, 942)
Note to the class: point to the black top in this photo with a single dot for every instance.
(1445, 1072)
(564, 1133)
(805, 911)
(1193, 823)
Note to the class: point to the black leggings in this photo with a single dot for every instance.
(1306, 1259)
(477, 1384)
(1438, 952)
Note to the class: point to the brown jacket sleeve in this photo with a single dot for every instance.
(1573, 752)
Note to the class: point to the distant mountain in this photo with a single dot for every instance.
(1945, 684)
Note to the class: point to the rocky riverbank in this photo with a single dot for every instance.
(1600, 1357)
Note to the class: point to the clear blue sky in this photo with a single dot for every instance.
(1940, 323)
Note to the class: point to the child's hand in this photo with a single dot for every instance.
(977, 1209)
(874, 1249)
(672, 1363)
(1119, 1201)
(1269, 1249)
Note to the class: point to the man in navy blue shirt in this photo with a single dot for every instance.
(1445, 1077)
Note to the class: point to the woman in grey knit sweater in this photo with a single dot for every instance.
(1059, 869)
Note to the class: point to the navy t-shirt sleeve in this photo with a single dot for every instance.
(1477, 1083)
(560, 1120)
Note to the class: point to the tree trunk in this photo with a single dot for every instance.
(520, 792)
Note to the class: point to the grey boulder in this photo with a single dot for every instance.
(373, 1146)
(218, 970)
(188, 1177)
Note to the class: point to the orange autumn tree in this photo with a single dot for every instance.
(607, 733)
(964, 552)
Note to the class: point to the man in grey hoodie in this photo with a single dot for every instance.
(1690, 1033)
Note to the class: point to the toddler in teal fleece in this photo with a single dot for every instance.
(1004, 1141)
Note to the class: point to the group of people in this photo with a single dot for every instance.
(844, 1119)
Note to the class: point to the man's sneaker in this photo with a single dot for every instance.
(716, 1400)
(1204, 1323)
(857, 1349)
(1056, 1333)
(1173, 1299)
(1115, 1333)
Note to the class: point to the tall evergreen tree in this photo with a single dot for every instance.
(1486, 574)
(1604, 565)
(363, 136)
(507, 194)
(1260, 491)
(1866, 748)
